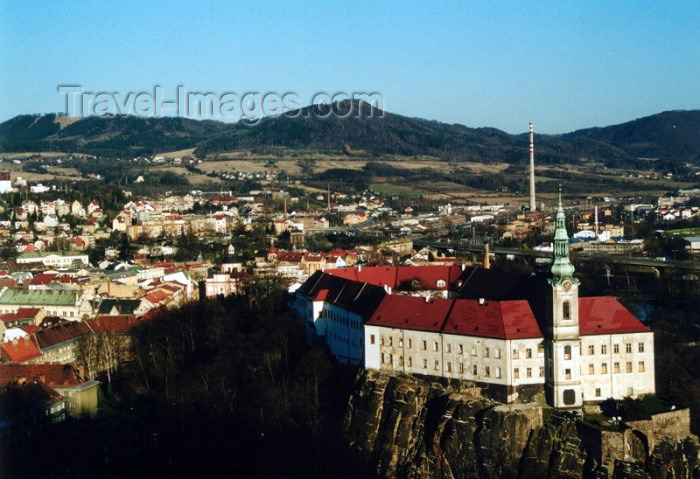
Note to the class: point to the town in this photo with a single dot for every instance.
(78, 274)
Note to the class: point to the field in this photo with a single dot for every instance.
(590, 179)
(684, 232)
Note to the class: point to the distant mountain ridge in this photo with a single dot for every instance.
(671, 135)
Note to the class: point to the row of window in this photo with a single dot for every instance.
(616, 367)
(342, 338)
(616, 348)
(528, 372)
(435, 346)
(388, 359)
(343, 320)
(65, 314)
(528, 353)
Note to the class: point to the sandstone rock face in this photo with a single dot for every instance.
(405, 427)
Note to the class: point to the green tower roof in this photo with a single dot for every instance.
(562, 267)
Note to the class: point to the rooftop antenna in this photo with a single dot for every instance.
(533, 205)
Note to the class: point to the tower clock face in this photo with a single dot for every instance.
(566, 285)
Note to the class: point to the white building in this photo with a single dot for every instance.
(53, 259)
(71, 305)
(516, 336)
(5, 182)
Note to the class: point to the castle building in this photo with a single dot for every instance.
(515, 336)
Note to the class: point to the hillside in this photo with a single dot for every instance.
(668, 135)
(673, 136)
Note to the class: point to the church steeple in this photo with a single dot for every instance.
(562, 268)
(563, 342)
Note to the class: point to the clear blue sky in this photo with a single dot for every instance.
(562, 64)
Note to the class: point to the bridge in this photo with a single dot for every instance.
(575, 256)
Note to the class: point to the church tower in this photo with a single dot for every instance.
(563, 343)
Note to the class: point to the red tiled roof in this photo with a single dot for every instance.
(158, 297)
(493, 319)
(171, 287)
(43, 278)
(60, 333)
(21, 313)
(54, 375)
(27, 312)
(411, 312)
(223, 198)
(118, 324)
(605, 315)
(20, 350)
(290, 257)
(19, 399)
(394, 276)
(321, 295)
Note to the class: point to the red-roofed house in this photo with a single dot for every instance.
(80, 394)
(22, 318)
(513, 335)
(41, 281)
(20, 350)
(468, 339)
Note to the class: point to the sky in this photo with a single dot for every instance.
(563, 65)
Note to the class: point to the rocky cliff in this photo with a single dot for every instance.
(405, 427)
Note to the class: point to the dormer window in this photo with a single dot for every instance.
(440, 283)
(566, 310)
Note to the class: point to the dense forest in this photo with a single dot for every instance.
(221, 388)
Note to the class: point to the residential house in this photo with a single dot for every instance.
(80, 394)
(69, 305)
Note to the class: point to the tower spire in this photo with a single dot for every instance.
(563, 342)
(561, 268)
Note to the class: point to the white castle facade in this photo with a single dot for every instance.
(513, 335)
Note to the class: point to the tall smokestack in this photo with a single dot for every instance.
(596, 223)
(533, 205)
(487, 256)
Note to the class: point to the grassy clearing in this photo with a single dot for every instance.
(64, 121)
(397, 190)
(684, 232)
(177, 154)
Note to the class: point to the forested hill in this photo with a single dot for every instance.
(668, 135)
(673, 136)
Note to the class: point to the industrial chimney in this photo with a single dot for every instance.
(533, 205)
(487, 257)
(596, 224)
